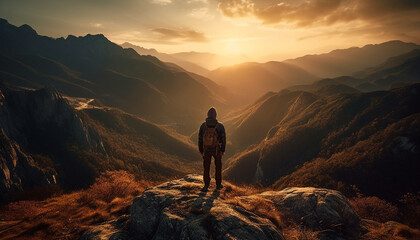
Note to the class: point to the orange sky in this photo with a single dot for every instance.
(262, 30)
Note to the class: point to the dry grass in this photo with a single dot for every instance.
(299, 233)
(262, 207)
(389, 230)
(410, 209)
(230, 191)
(68, 215)
(374, 208)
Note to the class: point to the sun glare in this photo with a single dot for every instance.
(232, 48)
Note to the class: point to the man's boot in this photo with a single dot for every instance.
(205, 188)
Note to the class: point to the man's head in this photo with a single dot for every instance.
(212, 114)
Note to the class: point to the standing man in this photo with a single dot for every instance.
(212, 143)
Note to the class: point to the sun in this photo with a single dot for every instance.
(233, 48)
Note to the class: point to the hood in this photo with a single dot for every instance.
(211, 122)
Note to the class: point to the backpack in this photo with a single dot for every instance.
(210, 137)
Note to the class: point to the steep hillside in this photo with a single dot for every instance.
(252, 80)
(92, 66)
(332, 140)
(252, 125)
(46, 141)
(38, 129)
(345, 62)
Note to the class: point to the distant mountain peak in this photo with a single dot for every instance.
(141, 50)
(96, 36)
(349, 61)
(3, 21)
(71, 37)
(89, 37)
(28, 29)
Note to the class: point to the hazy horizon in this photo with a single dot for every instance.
(260, 30)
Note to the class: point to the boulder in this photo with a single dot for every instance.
(178, 210)
(324, 210)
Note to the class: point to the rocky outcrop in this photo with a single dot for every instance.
(323, 210)
(26, 114)
(18, 170)
(39, 122)
(178, 210)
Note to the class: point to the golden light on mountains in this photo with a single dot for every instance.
(256, 30)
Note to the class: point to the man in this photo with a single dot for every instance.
(212, 143)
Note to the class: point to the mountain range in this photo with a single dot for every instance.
(184, 63)
(346, 62)
(197, 62)
(334, 137)
(93, 67)
(78, 106)
(255, 79)
(48, 139)
(396, 71)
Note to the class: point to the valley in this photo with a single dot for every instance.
(80, 116)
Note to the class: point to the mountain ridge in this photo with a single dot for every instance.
(91, 56)
(352, 117)
(51, 137)
(345, 62)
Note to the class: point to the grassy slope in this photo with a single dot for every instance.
(142, 147)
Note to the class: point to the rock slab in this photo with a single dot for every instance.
(178, 210)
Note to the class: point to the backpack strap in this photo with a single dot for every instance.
(215, 126)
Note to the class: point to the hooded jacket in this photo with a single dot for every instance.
(221, 134)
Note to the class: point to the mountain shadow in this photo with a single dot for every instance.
(368, 140)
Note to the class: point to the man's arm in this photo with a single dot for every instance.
(200, 139)
(222, 138)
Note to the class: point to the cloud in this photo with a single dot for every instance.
(201, 13)
(197, 1)
(179, 35)
(319, 12)
(96, 25)
(161, 2)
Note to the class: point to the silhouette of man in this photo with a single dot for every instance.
(211, 130)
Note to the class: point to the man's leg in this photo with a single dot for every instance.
(206, 165)
(218, 163)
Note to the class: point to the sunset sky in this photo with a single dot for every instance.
(262, 30)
